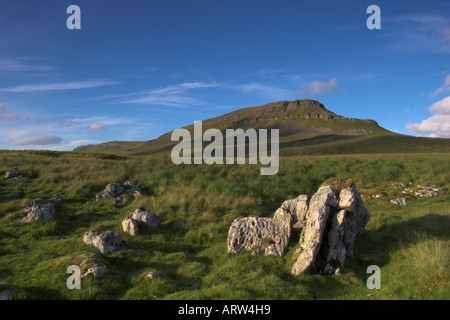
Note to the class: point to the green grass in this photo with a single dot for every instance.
(196, 205)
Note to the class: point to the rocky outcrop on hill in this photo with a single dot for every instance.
(114, 190)
(40, 210)
(106, 242)
(332, 220)
(11, 175)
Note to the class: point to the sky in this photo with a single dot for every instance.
(137, 69)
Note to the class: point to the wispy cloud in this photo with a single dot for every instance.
(7, 115)
(59, 86)
(70, 123)
(37, 140)
(23, 64)
(318, 87)
(437, 125)
(420, 32)
(173, 95)
(96, 126)
(445, 87)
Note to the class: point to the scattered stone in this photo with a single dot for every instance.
(131, 189)
(11, 175)
(296, 208)
(130, 226)
(146, 217)
(106, 242)
(5, 295)
(153, 275)
(96, 272)
(430, 191)
(268, 235)
(113, 190)
(336, 215)
(400, 201)
(397, 185)
(91, 265)
(40, 210)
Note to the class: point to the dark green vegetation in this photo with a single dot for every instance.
(196, 205)
(306, 127)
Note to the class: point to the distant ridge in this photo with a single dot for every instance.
(305, 127)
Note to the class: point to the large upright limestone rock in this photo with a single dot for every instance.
(106, 242)
(268, 235)
(312, 233)
(336, 216)
(347, 225)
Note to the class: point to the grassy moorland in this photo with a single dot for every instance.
(196, 205)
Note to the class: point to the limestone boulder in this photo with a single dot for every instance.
(40, 210)
(260, 235)
(106, 242)
(312, 233)
(336, 217)
(296, 208)
(130, 226)
(148, 218)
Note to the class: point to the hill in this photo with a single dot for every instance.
(305, 127)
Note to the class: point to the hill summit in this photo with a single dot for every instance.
(305, 127)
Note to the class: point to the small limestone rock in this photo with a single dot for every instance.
(131, 189)
(11, 175)
(40, 210)
(130, 226)
(96, 272)
(146, 217)
(400, 201)
(153, 275)
(113, 190)
(5, 295)
(107, 242)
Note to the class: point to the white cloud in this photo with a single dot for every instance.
(317, 87)
(7, 115)
(437, 125)
(37, 140)
(97, 126)
(59, 86)
(444, 88)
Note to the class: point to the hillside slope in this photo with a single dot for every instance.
(305, 127)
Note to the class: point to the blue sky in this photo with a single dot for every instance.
(138, 69)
